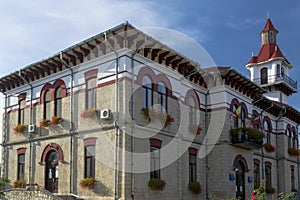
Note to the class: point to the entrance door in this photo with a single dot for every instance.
(51, 173)
(240, 181)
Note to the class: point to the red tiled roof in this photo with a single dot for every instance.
(269, 26)
(266, 52)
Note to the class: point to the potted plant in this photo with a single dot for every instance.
(87, 183)
(195, 128)
(55, 120)
(293, 152)
(88, 114)
(156, 184)
(195, 187)
(268, 147)
(17, 184)
(234, 134)
(20, 128)
(254, 134)
(44, 123)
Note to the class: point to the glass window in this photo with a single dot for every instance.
(21, 166)
(267, 131)
(192, 167)
(278, 70)
(154, 162)
(47, 99)
(264, 75)
(21, 114)
(256, 175)
(192, 111)
(268, 177)
(282, 71)
(89, 166)
(289, 134)
(147, 92)
(243, 117)
(58, 102)
(293, 179)
(91, 93)
(162, 96)
(235, 118)
(295, 141)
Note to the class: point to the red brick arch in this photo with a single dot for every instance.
(192, 93)
(240, 158)
(52, 147)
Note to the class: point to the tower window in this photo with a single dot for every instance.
(278, 70)
(264, 75)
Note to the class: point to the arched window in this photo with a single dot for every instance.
(264, 76)
(235, 118)
(289, 134)
(155, 146)
(147, 92)
(90, 95)
(295, 140)
(47, 99)
(192, 164)
(192, 110)
(267, 131)
(268, 172)
(58, 102)
(89, 160)
(278, 72)
(282, 72)
(243, 117)
(162, 96)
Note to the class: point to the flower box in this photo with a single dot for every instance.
(56, 120)
(44, 123)
(195, 128)
(156, 184)
(20, 128)
(252, 135)
(293, 152)
(195, 187)
(88, 114)
(268, 147)
(87, 183)
(153, 115)
(17, 184)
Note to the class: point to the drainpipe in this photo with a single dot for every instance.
(206, 145)
(117, 114)
(133, 118)
(71, 120)
(4, 136)
(30, 122)
(298, 167)
(277, 158)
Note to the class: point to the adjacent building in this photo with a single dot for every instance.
(123, 116)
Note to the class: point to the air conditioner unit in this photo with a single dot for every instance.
(32, 128)
(105, 114)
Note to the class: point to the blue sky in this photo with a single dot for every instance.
(229, 30)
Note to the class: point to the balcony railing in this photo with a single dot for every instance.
(246, 138)
(277, 79)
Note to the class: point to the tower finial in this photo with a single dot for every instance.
(268, 15)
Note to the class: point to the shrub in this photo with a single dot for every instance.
(87, 183)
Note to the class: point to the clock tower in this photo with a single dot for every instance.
(270, 68)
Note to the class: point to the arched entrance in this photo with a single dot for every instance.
(240, 180)
(51, 172)
(240, 167)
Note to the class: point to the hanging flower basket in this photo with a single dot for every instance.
(293, 152)
(20, 128)
(268, 147)
(195, 187)
(17, 184)
(56, 120)
(87, 183)
(195, 128)
(44, 123)
(156, 184)
(88, 114)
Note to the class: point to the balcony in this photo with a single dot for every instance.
(274, 79)
(248, 138)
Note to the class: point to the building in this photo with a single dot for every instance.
(146, 122)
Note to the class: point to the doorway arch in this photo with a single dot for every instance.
(240, 167)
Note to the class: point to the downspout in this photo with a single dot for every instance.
(298, 166)
(133, 119)
(30, 122)
(277, 157)
(117, 114)
(4, 129)
(71, 121)
(206, 145)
